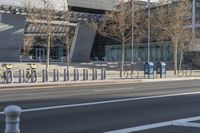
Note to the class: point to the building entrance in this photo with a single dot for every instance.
(40, 53)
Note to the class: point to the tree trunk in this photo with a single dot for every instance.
(68, 59)
(181, 59)
(175, 59)
(122, 60)
(48, 52)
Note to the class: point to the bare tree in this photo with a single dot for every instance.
(67, 37)
(117, 26)
(171, 21)
(27, 45)
(42, 17)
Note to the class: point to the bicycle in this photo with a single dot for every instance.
(132, 69)
(31, 73)
(6, 74)
(186, 70)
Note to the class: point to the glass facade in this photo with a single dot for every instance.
(39, 51)
(157, 53)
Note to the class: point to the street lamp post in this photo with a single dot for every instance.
(193, 18)
(149, 28)
(132, 36)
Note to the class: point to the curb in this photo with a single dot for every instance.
(25, 86)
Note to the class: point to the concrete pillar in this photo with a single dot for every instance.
(11, 36)
(82, 42)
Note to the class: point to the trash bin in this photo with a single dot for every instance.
(149, 69)
(161, 69)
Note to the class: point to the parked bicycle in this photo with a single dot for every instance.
(131, 71)
(31, 73)
(186, 70)
(6, 74)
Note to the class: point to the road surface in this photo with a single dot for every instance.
(164, 107)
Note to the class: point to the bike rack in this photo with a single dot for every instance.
(76, 74)
(66, 75)
(44, 75)
(56, 75)
(94, 74)
(85, 74)
(103, 74)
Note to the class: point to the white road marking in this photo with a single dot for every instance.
(188, 124)
(155, 125)
(106, 102)
(116, 89)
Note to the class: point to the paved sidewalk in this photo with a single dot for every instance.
(112, 77)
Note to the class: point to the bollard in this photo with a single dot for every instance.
(12, 119)
(76, 74)
(85, 74)
(94, 74)
(55, 75)
(44, 75)
(103, 74)
(66, 75)
(21, 76)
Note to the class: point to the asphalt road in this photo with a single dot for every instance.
(96, 109)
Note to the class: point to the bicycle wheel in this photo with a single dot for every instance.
(33, 76)
(125, 74)
(137, 74)
(27, 77)
(180, 73)
(4, 78)
(188, 71)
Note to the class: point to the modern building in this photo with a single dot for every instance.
(86, 43)
(14, 26)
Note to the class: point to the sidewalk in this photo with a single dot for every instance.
(111, 78)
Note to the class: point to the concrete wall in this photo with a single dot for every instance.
(11, 36)
(94, 4)
(82, 42)
(57, 4)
